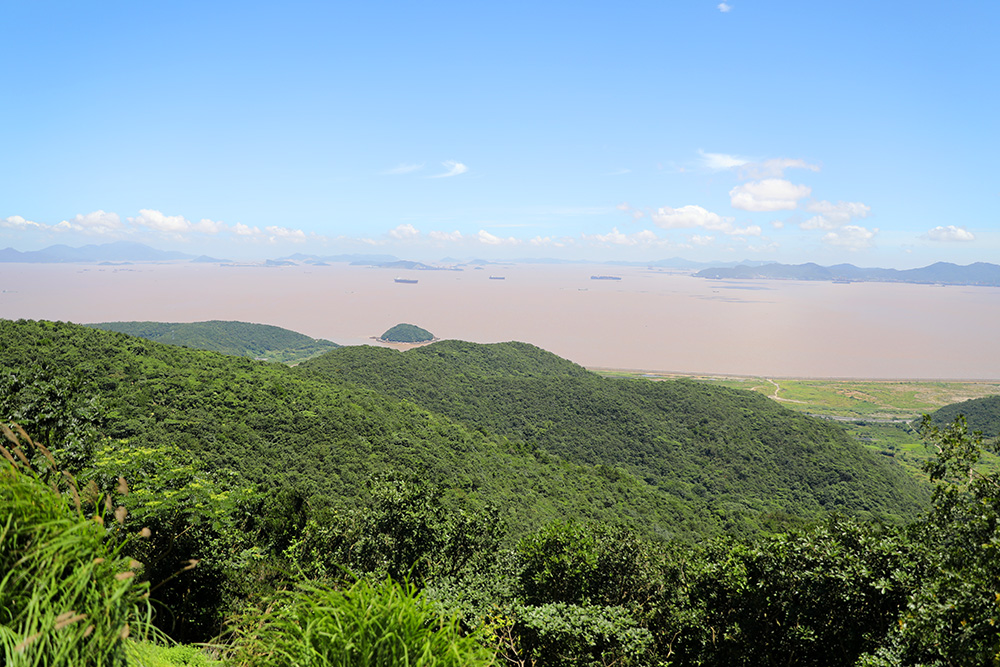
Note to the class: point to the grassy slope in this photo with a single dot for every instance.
(735, 453)
(258, 341)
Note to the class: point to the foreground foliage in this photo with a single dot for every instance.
(371, 624)
(68, 593)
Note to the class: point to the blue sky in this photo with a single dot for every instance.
(789, 131)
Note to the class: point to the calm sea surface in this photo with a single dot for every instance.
(653, 320)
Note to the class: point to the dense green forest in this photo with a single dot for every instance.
(735, 453)
(257, 341)
(467, 504)
(407, 333)
(981, 414)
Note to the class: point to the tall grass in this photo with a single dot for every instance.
(368, 625)
(67, 595)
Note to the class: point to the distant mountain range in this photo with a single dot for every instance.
(119, 251)
(942, 273)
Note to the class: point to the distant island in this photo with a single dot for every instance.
(940, 273)
(406, 333)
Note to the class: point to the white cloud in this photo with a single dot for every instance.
(691, 216)
(454, 169)
(404, 232)
(98, 223)
(698, 239)
(774, 168)
(206, 226)
(446, 236)
(285, 234)
(244, 230)
(778, 224)
(615, 237)
(771, 194)
(724, 8)
(489, 239)
(749, 230)
(179, 225)
(721, 161)
(951, 233)
(832, 216)
(156, 221)
(403, 168)
(851, 237)
(17, 222)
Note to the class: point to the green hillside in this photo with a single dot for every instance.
(242, 339)
(278, 428)
(734, 453)
(981, 414)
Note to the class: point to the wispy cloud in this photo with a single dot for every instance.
(949, 234)
(754, 169)
(721, 161)
(833, 216)
(453, 169)
(851, 237)
(490, 239)
(445, 237)
(724, 8)
(402, 168)
(774, 168)
(645, 237)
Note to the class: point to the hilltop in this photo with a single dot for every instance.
(243, 339)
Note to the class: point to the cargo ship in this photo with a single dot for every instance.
(605, 278)
(406, 281)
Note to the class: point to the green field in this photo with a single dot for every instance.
(879, 413)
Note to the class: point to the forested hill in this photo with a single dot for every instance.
(258, 341)
(735, 452)
(508, 425)
(981, 414)
(79, 388)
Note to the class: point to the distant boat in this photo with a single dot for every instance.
(406, 281)
(605, 278)
(498, 277)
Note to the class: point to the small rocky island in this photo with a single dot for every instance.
(406, 333)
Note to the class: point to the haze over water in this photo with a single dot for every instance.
(650, 320)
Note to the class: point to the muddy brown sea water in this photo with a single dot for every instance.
(653, 320)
